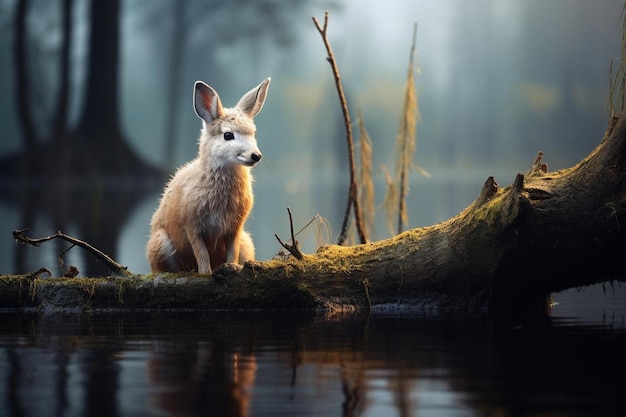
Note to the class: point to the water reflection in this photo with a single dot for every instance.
(235, 364)
(92, 210)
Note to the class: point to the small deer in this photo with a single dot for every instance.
(199, 224)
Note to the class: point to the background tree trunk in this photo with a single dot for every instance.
(100, 112)
(22, 75)
(175, 81)
(97, 147)
(99, 132)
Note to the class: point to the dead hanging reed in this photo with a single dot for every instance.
(365, 175)
(617, 81)
(395, 197)
(391, 196)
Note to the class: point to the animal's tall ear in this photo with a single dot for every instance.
(252, 102)
(206, 102)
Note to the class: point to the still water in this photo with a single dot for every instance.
(298, 364)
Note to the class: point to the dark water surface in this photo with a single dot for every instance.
(298, 364)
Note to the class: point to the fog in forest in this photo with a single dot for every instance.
(497, 82)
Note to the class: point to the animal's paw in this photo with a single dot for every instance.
(227, 270)
(232, 267)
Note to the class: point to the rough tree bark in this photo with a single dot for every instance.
(510, 249)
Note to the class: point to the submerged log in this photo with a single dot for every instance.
(510, 249)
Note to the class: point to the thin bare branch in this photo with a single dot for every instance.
(353, 200)
(293, 248)
(116, 268)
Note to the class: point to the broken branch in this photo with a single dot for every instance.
(116, 268)
(353, 200)
(293, 249)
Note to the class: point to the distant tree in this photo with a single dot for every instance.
(73, 162)
(97, 146)
(178, 38)
(99, 125)
(21, 71)
(60, 118)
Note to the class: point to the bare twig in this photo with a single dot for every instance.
(39, 272)
(353, 200)
(293, 249)
(20, 236)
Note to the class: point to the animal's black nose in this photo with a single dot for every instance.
(256, 157)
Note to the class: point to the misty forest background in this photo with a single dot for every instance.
(96, 108)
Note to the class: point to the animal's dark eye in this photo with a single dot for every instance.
(229, 136)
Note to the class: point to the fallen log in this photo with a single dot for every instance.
(509, 250)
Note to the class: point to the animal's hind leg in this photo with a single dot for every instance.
(160, 252)
(246, 248)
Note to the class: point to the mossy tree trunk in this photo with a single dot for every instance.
(510, 249)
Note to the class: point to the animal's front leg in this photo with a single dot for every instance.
(232, 250)
(200, 251)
